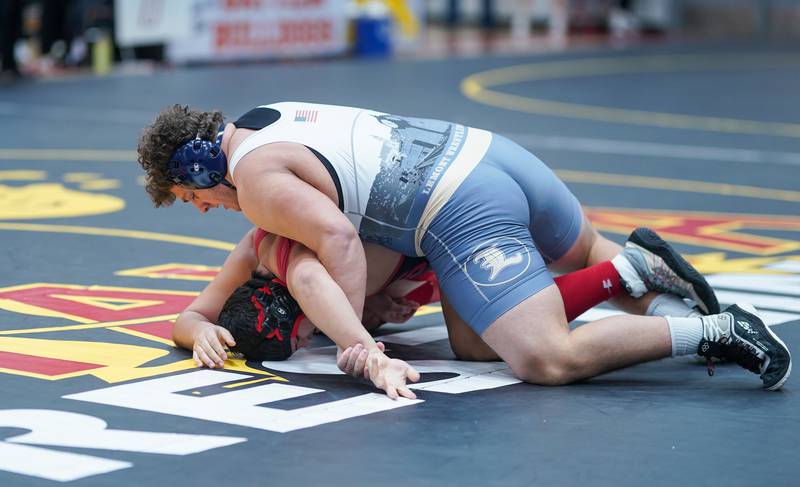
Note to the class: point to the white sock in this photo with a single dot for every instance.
(686, 334)
(671, 305)
(629, 275)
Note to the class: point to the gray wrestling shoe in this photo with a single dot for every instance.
(738, 334)
(661, 269)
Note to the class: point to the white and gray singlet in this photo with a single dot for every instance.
(392, 173)
(486, 213)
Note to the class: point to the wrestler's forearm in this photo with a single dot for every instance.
(325, 304)
(344, 259)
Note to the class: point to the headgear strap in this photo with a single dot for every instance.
(199, 163)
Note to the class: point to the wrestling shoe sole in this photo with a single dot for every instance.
(650, 241)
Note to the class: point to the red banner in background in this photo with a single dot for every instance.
(262, 29)
(249, 35)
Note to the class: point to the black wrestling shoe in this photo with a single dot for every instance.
(663, 270)
(739, 335)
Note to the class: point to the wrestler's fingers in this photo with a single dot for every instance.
(381, 346)
(211, 353)
(197, 360)
(391, 392)
(226, 336)
(412, 374)
(407, 302)
(361, 363)
(353, 360)
(219, 353)
(402, 317)
(345, 362)
(341, 360)
(351, 357)
(406, 392)
(204, 358)
(208, 352)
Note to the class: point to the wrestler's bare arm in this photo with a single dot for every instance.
(278, 201)
(322, 300)
(195, 328)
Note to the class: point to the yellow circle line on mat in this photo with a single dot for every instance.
(570, 176)
(478, 87)
(119, 232)
(67, 155)
(679, 185)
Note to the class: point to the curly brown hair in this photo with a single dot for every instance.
(172, 127)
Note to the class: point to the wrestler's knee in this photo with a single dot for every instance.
(547, 368)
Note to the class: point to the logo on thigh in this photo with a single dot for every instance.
(497, 261)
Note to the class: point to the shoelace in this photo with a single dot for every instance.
(745, 356)
(714, 333)
(712, 330)
(737, 351)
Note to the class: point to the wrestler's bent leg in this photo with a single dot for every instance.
(466, 344)
(533, 338)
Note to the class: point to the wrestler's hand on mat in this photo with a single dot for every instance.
(209, 346)
(353, 360)
(391, 309)
(370, 320)
(391, 374)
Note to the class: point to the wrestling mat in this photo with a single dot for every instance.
(701, 144)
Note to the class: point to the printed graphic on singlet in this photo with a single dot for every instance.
(497, 261)
(407, 157)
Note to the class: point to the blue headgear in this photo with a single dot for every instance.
(199, 164)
